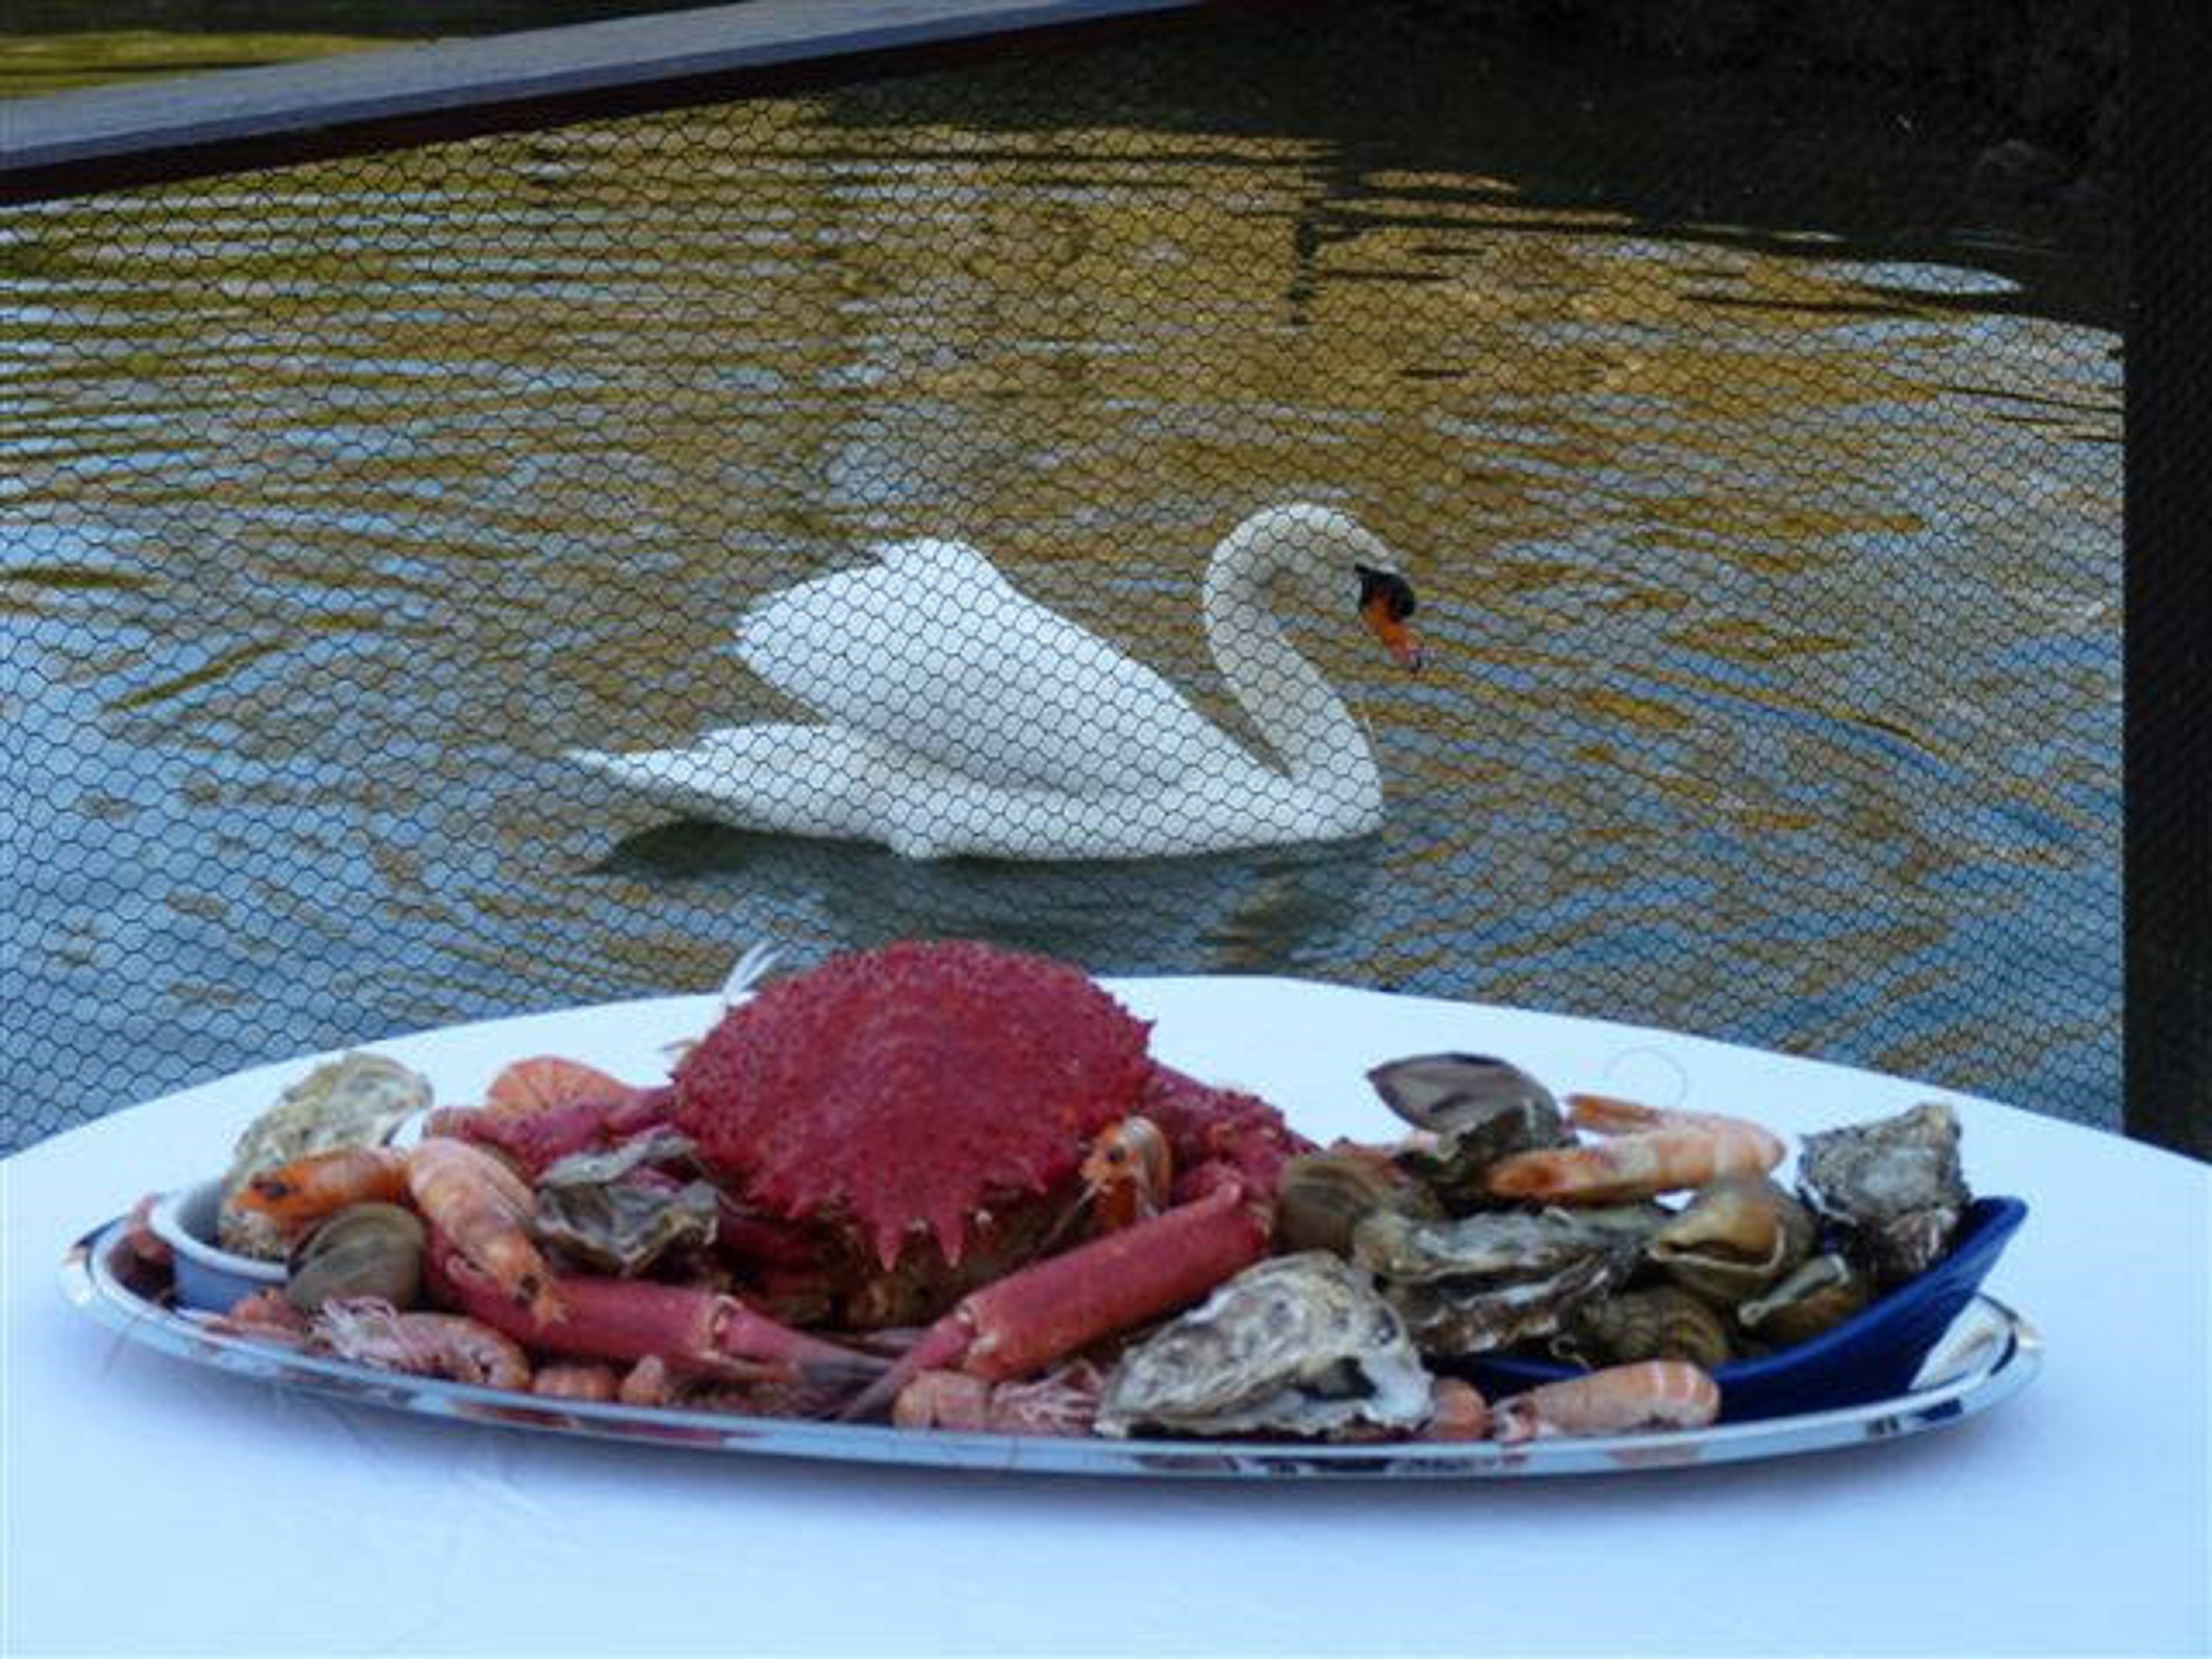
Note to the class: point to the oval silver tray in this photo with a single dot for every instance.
(1988, 1355)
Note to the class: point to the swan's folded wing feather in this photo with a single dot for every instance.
(932, 651)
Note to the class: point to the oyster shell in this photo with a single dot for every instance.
(1486, 1282)
(1892, 1187)
(1478, 1109)
(1297, 1345)
(1733, 1239)
(365, 1249)
(355, 1099)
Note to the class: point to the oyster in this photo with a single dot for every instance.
(365, 1249)
(1733, 1239)
(1664, 1323)
(356, 1100)
(593, 1206)
(1891, 1187)
(1824, 1292)
(1486, 1282)
(1322, 1196)
(1297, 1345)
(1478, 1109)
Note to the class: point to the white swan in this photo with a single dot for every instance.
(956, 716)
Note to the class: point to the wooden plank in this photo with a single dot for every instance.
(100, 137)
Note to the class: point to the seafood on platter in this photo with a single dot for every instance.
(947, 1185)
(355, 1099)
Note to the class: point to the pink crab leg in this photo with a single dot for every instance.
(632, 1319)
(1063, 1304)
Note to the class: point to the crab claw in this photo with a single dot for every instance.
(701, 1332)
(1057, 1306)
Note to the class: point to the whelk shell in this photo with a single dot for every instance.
(1322, 1196)
(1824, 1292)
(364, 1250)
(1663, 1323)
(1738, 1235)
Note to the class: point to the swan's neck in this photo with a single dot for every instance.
(1303, 720)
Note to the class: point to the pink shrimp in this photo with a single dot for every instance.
(1648, 1152)
(482, 1207)
(1651, 1394)
(372, 1331)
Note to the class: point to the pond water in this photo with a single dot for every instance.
(1762, 490)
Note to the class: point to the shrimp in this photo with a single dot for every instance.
(1665, 1394)
(481, 1207)
(294, 1195)
(575, 1379)
(1650, 1151)
(372, 1331)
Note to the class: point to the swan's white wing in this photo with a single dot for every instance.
(931, 651)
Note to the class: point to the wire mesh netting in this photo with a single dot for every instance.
(1005, 503)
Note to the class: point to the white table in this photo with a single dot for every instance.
(152, 1505)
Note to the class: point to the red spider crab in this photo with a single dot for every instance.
(912, 1133)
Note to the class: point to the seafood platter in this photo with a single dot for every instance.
(938, 1203)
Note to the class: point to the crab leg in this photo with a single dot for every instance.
(1056, 1307)
(694, 1330)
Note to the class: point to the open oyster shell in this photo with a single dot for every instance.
(1297, 1345)
(1892, 1187)
(356, 1100)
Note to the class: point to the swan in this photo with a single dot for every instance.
(955, 716)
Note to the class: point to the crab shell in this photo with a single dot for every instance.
(914, 1102)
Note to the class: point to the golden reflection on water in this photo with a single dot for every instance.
(1770, 589)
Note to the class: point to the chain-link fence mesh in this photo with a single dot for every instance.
(1752, 468)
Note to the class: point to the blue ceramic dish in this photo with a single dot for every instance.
(1873, 1355)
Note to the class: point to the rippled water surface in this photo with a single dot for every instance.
(1762, 492)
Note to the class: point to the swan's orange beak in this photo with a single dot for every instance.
(1385, 610)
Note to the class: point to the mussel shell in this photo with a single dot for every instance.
(364, 1249)
(1663, 1322)
(1734, 1239)
(1892, 1186)
(1321, 1196)
(1821, 1294)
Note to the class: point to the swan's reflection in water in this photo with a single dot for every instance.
(1266, 911)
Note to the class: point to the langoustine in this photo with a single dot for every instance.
(1650, 1393)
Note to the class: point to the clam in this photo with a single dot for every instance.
(356, 1100)
(1892, 1187)
(1297, 1345)
(363, 1250)
(1824, 1292)
(1735, 1237)
(1322, 1196)
(1477, 1110)
(1663, 1323)
(1486, 1282)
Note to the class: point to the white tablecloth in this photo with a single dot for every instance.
(153, 1506)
